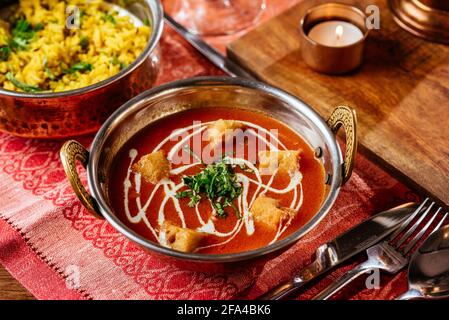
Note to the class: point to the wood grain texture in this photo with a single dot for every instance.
(11, 289)
(401, 92)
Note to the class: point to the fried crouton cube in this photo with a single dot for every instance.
(286, 162)
(222, 130)
(269, 213)
(182, 239)
(153, 167)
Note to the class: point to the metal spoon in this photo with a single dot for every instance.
(428, 273)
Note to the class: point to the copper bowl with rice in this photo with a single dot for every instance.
(85, 91)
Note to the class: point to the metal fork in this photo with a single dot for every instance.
(388, 255)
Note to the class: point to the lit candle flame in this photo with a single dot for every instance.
(339, 31)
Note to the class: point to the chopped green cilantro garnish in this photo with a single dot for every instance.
(218, 183)
(84, 43)
(38, 27)
(48, 71)
(116, 61)
(23, 86)
(4, 53)
(109, 18)
(22, 34)
(79, 67)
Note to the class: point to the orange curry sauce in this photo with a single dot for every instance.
(144, 142)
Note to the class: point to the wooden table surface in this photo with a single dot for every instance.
(10, 289)
(400, 93)
(399, 123)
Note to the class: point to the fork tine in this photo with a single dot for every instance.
(420, 234)
(407, 222)
(441, 222)
(413, 227)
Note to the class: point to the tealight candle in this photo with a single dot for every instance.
(332, 37)
(335, 33)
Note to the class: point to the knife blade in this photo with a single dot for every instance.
(225, 64)
(345, 246)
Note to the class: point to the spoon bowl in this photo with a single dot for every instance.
(428, 273)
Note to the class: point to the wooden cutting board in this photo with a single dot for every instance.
(401, 92)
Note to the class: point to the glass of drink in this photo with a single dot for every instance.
(216, 17)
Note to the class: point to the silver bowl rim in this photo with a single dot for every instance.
(158, 26)
(292, 101)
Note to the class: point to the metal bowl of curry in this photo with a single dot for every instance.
(214, 169)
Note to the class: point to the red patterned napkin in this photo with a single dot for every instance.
(59, 251)
(46, 236)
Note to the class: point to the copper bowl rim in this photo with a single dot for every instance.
(158, 26)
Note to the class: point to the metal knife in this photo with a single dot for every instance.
(213, 55)
(344, 247)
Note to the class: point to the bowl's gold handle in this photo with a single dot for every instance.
(70, 152)
(346, 117)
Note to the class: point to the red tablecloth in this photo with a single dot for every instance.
(57, 250)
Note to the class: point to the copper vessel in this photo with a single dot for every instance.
(326, 59)
(428, 19)
(82, 111)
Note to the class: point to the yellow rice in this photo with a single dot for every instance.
(106, 41)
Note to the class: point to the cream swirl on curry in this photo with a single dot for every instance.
(185, 188)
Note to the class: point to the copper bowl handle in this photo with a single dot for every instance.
(70, 152)
(346, 117)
